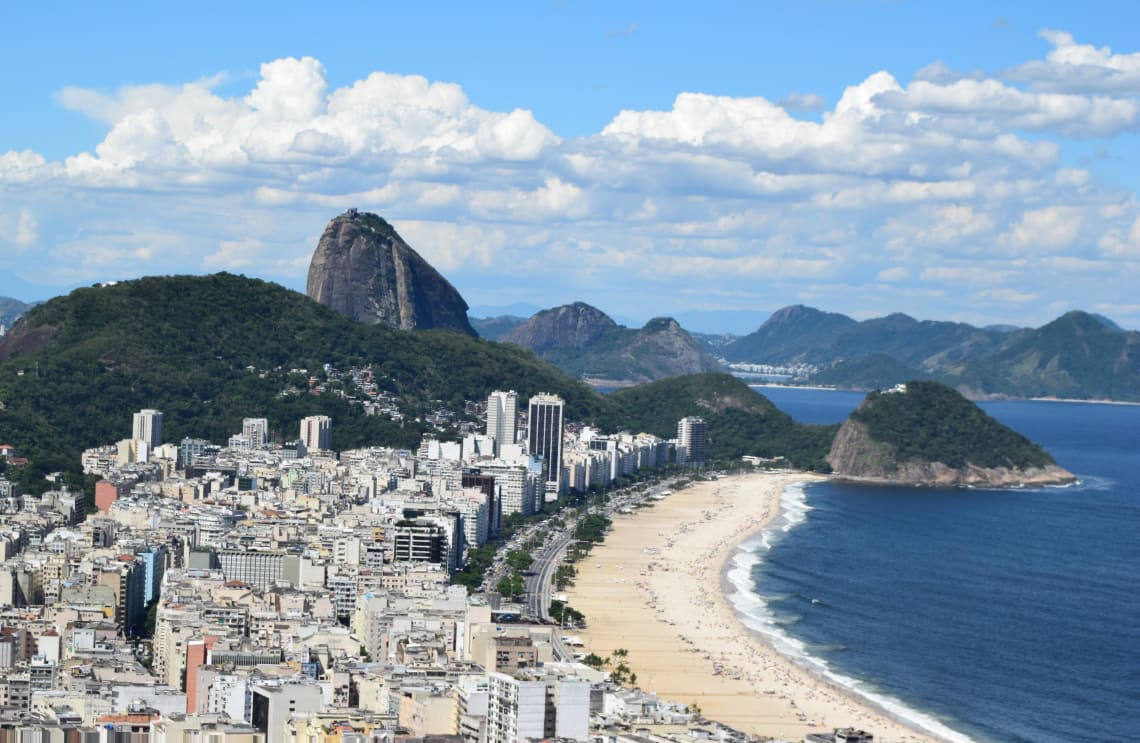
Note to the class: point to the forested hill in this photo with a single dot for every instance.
(927, 433)
(210, 350)
(740, 420)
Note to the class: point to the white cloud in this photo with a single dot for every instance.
(27, 230)
(973, 274)
(897, 273)
(802, 102)
(1079, 67)
(1119, 243)
(1009, 295)
(916, 189)
(1045, 229)
(233, 255)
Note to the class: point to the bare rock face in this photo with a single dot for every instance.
(362, 268)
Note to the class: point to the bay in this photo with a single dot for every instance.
(1003, 615)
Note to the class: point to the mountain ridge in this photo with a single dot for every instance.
(586, 342)
(1079, 355)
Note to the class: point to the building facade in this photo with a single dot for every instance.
(147, 426)
(692, 442)
(544, 436)
(502, 416)
(316, 433)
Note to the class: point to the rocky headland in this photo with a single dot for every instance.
(924, 433)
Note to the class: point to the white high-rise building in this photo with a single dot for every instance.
(148, 427)
(692, 441)
(502, 416)
(521, 708)
(316, 433)
(255, 431)
(544, 436)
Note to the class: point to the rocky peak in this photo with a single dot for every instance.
(574, 325)
(363, 268)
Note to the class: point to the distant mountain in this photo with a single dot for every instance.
(10, 309)
(876, 372)
(927, 434)
(795, 334)
(585, 342)
(494, 328)
(362, 268)
(1079, 355)
(802, 335)
(715, 343)
(1106, 322)
(1076, 356)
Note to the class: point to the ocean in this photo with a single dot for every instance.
(981, 615)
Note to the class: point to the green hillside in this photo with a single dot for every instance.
(1077, 355)
(211, 350)
(931, 422)
(740, 420)
(76, 368)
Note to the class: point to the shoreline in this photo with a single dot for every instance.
(995, 398)
(646, 589)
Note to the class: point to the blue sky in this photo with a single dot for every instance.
(972, 161)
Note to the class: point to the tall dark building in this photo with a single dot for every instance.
(544, 436)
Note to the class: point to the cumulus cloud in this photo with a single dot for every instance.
(26, 229)
(1121, 243)
(921, 188)
(1042, 229)
(802, 102)
(1079, 68)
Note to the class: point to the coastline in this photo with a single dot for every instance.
(647, 590)
(984, 398)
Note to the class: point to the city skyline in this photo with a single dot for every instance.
(965, 163)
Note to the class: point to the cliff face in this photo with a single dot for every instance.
(362, 268)
(584, 341)
(856, 455)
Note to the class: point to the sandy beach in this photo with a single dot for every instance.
(655, 588)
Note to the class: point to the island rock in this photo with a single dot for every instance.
(924, 433)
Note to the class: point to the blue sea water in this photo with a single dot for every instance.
(985, 615)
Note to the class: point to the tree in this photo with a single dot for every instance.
(519, 560)
(511, 585)
(594, 661)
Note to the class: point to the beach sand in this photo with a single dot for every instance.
(655, 589)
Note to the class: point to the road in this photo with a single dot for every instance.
(539, 577)
(538, 586)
